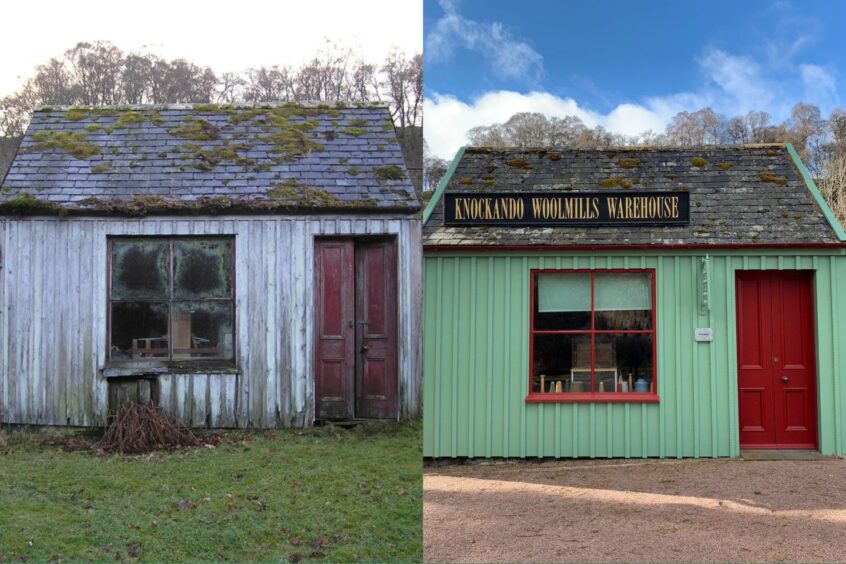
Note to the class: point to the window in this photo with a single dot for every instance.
(592, 336)
(171, 299)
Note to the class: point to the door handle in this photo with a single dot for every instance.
(364, 348)
(784, 379)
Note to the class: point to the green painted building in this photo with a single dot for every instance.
(632, 303)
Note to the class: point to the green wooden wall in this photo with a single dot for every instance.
(476, 347)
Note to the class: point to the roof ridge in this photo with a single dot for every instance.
(337, 104)
(644, 148)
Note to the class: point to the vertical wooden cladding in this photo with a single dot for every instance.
(53, 318)
(476, 353)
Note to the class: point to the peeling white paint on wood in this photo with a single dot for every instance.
(54, 309)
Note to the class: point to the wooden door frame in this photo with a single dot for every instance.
(393, 238)
(811, 277)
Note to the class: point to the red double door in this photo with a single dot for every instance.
(776, 359)
(356, 329)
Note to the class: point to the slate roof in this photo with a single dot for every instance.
(203, 157)
(738, 195)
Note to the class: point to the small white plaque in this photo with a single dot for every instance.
(703, 334)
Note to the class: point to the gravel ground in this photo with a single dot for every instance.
(636, 511)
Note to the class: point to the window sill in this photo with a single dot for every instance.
(161, 369)
(588, 397)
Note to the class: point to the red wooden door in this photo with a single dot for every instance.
(376, 378)
(777, 396)
(335, 330)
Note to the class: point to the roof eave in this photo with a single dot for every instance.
(439, 191)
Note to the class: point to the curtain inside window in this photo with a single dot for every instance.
(623, 292)
(563, 292)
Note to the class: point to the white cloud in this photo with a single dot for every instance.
(631, 119)
(507, 56)
(732, 85)
(448, 119)
(739, 80)
(819, 84)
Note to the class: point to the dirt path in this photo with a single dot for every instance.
(642, 511)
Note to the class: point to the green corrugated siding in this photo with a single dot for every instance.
(476, 359)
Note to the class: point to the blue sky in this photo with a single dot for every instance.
(628, 66)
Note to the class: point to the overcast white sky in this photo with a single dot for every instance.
(226, 36)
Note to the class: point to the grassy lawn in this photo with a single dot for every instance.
(312, 495)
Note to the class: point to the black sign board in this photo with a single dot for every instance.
(556, 209)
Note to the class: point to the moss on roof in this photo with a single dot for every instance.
(73, 143)
(196, 130)
(182, 154)
(390, 172)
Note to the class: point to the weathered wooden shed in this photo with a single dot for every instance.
(629, 303)
(250, 266)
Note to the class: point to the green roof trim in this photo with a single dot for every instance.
(442, 185)
(815, 192)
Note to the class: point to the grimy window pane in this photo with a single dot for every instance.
(139, 330)
(202, 269)
(202, 330)
(624, 363)
(561, 363)
(140, 270)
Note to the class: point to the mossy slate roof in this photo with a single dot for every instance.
(280, 158)
(738, 195)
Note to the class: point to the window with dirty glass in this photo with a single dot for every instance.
(592, 335)
(171, 299)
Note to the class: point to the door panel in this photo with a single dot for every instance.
(794, 378)
(335, 312)
(754, 371)
(776, 360)
(376, 328)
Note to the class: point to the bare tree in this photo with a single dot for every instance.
(758, 125)
(713, 126)
(16, 109)
(99, 73)
(832, 183)
(54, 82)
(837, 125)
(97, 68)
(403, 84)
(434, 169)
(229, 86)
(737, 131)
(137, 74)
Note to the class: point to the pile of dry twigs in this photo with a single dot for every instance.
(141, 428)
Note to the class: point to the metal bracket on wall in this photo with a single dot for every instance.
(704, 284)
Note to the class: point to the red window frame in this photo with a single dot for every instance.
(592, 396)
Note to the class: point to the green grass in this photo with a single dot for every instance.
(312, 495)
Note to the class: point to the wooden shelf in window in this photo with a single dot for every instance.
(595, 397)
